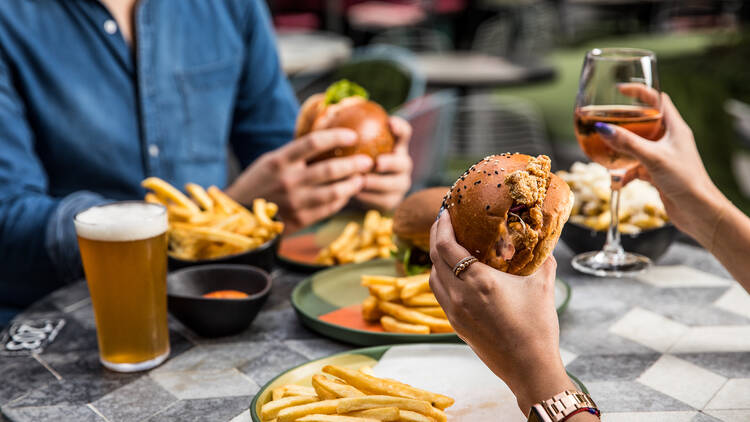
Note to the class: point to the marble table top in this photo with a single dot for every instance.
(673, 345)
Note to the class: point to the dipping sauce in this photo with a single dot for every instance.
(226, 294)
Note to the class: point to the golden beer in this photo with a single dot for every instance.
(124, 252)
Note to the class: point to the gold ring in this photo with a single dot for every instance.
(463, 265)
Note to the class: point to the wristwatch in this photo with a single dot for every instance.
(561, 406)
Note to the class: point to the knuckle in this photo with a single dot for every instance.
(294, 203)
(339, 192)
(316, 141)
(275, 161)
(443, 244)
(459, 301)
(330, 170)
(434, 256)
(287, 184)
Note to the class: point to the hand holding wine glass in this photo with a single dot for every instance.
(618, 87)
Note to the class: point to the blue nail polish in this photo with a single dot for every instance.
(440, 213)
(604, 129)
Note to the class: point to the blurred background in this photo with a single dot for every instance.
(490, 76)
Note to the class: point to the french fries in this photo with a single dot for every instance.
(334, 418)
(404, 305)
(384, 414)
(641, 207)
(292, 390)
(358, 397)
(374, 385)
(360, 243)
(395, 326)
(209, 224)
(271, 409)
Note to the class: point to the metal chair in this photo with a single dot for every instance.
(523, 34)
(431, 118)
(489, 124)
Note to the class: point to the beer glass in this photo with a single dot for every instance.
(124, 252)
(618, 86)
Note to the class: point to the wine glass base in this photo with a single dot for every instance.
(611, 264)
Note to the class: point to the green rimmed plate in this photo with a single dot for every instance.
(450, 369)
(299, 250)
(329, 301)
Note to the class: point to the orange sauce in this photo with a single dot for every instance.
(226, 294)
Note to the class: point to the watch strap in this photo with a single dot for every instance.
(562, 405)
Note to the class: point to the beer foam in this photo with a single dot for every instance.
(121, 222)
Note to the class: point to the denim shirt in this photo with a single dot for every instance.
(84, 117)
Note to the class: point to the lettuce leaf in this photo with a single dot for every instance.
(344, 89)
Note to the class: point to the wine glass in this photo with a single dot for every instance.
(618, 86)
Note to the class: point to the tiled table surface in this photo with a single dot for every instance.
(671, 346)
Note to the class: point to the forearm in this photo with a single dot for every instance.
(731, 241)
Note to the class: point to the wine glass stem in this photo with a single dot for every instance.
(612, 245)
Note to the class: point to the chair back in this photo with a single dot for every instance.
(524, 35)
(386, 72)
(489, 124)
(431, 118)
(416, 39)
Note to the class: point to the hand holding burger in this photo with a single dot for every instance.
(507, 211)
(509, 321)
(341, 153)
(384, 139)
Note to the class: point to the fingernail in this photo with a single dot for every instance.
(604, 129)
(440, 213)
(348, 135)
(364, 163)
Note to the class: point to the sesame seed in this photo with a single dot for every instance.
(487, 207)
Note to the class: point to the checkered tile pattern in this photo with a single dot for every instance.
(670, 346)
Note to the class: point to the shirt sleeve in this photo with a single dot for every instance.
(38, 246)
(266, 108)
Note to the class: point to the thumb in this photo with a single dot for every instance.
(625, 141)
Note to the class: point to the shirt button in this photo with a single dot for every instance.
(110, 26)
(153, 150)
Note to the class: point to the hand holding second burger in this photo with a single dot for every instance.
(305, 192)
(345, 149)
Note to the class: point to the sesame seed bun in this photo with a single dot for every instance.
(367, 118)
(508, 211)
(413, 218)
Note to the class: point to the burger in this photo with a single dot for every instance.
(411, 226)
(346, 105)
(508, 211)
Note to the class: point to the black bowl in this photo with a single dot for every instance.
(651, 243)
(264, 256)
(217, 317)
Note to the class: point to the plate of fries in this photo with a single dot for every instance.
(371, 303)
(412, 383)
(643, 221)
(350, 237)
(209, 226)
